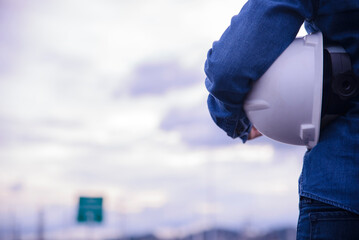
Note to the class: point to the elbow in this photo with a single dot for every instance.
(217, 74)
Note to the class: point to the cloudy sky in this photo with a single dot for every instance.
(107, 98)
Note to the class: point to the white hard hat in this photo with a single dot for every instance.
(285, 103)
(304, 86)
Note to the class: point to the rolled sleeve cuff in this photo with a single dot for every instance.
(234, 123)
(238, 128)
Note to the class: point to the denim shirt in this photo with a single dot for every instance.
(255, 38)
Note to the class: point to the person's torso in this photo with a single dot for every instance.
(331, 169)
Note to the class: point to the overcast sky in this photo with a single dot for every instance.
(107, 98)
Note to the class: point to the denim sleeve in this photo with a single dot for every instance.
(255, 38)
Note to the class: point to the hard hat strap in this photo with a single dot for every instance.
(339, 84)
(343, 81)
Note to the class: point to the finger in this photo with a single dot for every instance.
(254, 133)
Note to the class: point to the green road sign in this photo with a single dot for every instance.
(90, 210)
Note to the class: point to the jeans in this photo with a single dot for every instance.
(319, 220)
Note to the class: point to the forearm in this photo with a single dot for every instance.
(255, 38)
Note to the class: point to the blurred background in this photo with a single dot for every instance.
(104, 100)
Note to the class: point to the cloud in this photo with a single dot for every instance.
(156, 78)
(155, 147)
(16, 187)
(195, 127)
(10, 39)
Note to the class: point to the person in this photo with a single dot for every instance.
(263, 29)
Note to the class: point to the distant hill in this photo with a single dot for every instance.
(224, 234)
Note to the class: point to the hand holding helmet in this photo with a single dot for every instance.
(254, 133)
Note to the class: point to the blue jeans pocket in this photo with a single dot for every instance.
(337, 225)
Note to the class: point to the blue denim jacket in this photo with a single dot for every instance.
(255, 38)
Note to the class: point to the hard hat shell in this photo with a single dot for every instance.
(285, 103)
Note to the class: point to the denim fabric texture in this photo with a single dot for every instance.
(255, 38)
(320, 221)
